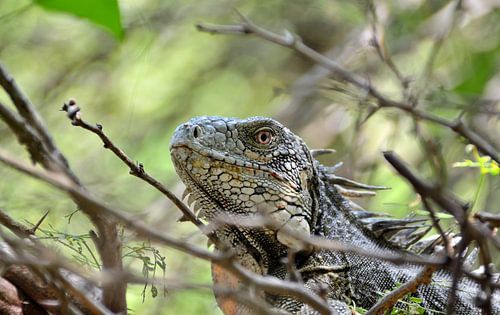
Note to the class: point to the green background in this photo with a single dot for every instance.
(144, 69)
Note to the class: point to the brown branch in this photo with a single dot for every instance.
(380, 46)
(61, 182)
(437, 45)
(42, 291)
(29, 262)
(32, 118)
(17, 228)
(445, 200)
(490, 218)
(486, 303)
(314, 243)
(424, 277)
(456, 273)
(276, 286)
(247, 27)
(27, 136)
(136, 169)
(24, 106)
(428, 190)
(437, 226)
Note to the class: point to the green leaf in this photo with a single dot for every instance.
(477, 72)
(104, 13)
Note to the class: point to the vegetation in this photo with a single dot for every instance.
(140, 68)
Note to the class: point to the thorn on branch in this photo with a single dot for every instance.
(319, 152)
(37, 225)
(95, 239)
(137, 170)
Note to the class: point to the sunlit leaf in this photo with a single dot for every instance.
(105, 13)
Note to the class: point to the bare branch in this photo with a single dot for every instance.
(27, 136)
(381, 48)
(318, 243)
(247, 27)
(136, 169)
(25, 107)
(492, 219)
(424, 277)
(33, 120)
(14, 226)
(438, 43)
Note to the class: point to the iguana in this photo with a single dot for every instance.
(242, 168)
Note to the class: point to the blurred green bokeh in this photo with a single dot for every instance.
(164, 71)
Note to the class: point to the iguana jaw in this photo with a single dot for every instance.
(217, 180)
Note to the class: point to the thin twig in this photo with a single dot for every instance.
(136, 169)
(437, 226)
(380, 46)
(424, 277)
(490, 218)
(314, 243)
(436, 47)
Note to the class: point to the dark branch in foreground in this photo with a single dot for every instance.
(225, 260)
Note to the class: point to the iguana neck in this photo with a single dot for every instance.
(337, 221)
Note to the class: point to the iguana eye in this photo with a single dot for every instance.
(264, 136)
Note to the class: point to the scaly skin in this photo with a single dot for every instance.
(239, 168)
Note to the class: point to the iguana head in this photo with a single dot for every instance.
(245, 167)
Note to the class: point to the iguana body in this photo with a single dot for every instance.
(245, 168)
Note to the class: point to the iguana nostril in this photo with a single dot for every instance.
(196, 131)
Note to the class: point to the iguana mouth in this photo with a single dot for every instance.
(203, 191)
(219, 187)
(231, 164)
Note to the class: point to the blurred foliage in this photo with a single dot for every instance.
(163, 72)
(485, 164)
